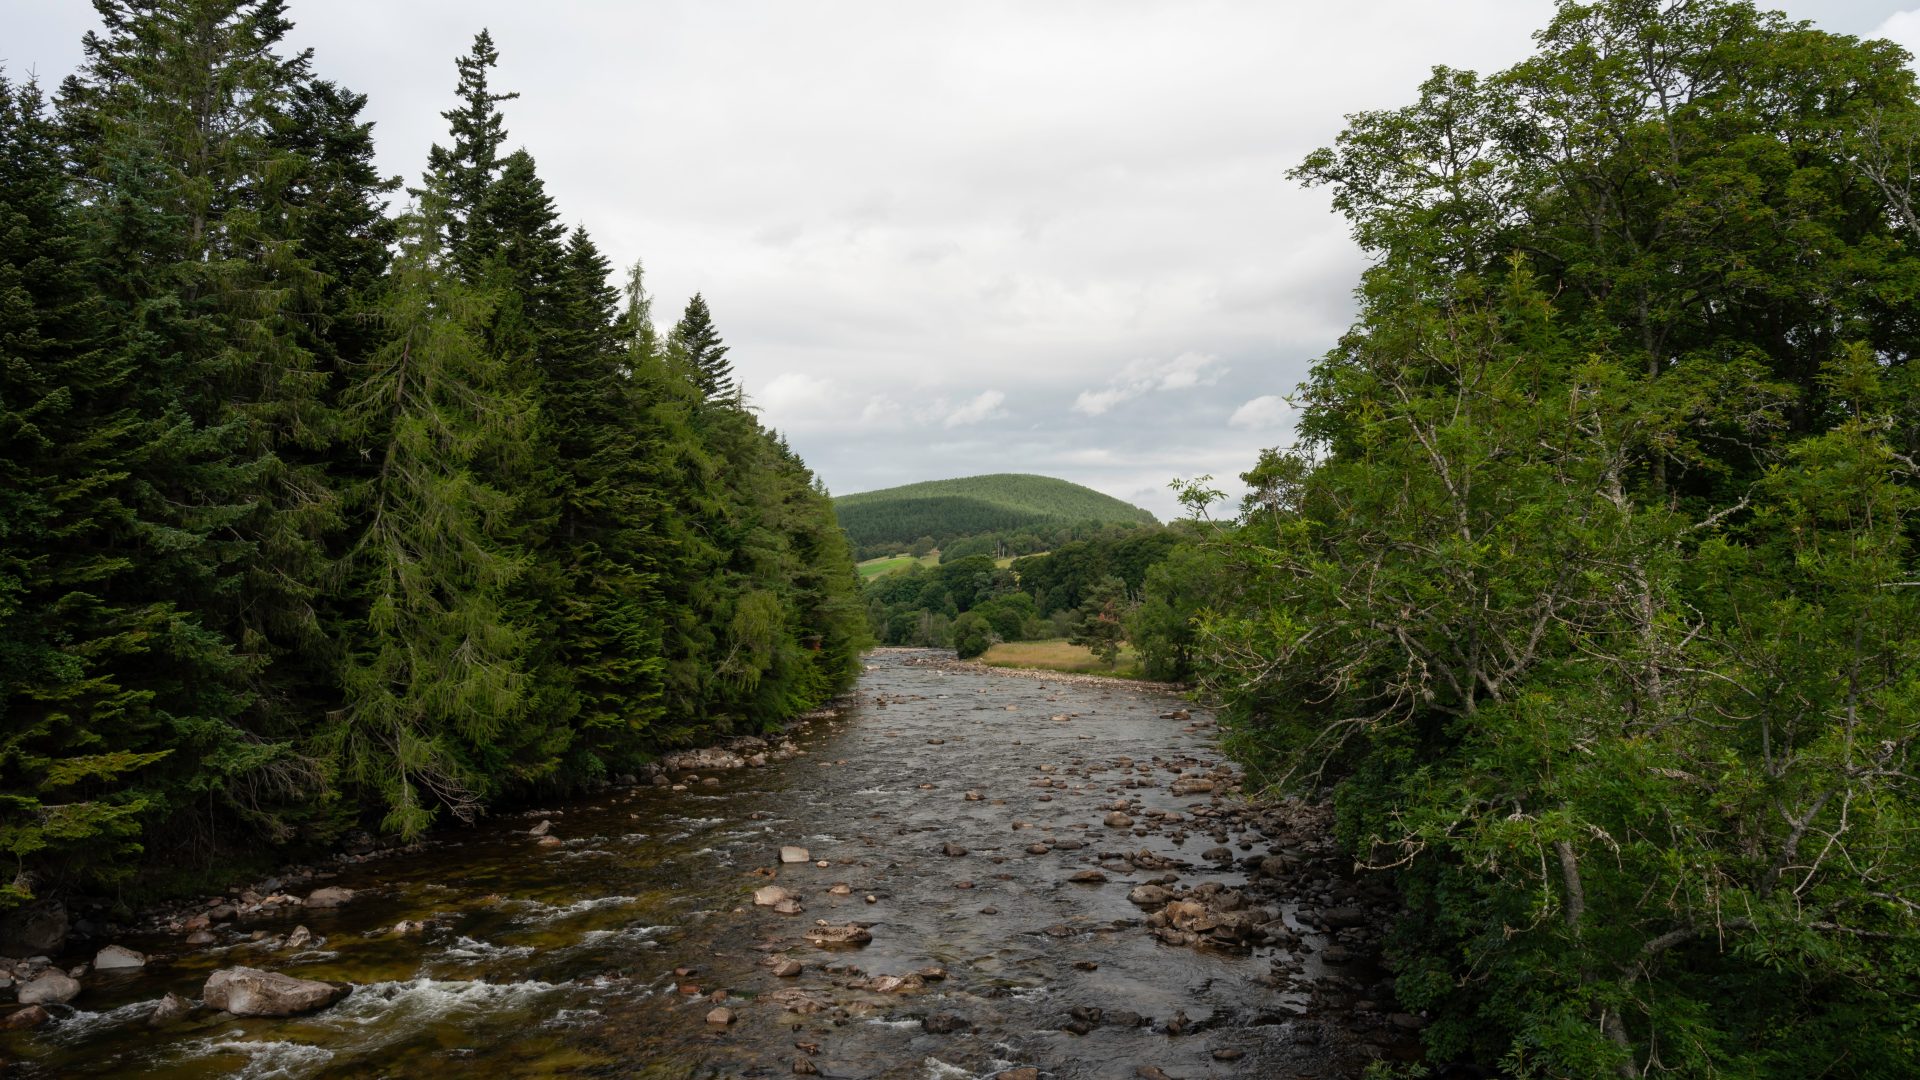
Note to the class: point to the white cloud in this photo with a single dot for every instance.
(1264, 413)
(1902, 28)
(986, 406)
(1141, 377)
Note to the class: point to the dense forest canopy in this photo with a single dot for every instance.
(315, 513)
(1591, 589)
(892, 519)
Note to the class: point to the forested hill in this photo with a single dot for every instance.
(972, 505)
(316, 515)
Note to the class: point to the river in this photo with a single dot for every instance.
(959, 800)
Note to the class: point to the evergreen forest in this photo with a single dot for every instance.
(326, 504)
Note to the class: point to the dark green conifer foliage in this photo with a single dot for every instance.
(697, 345)
(79, 737)
(464, 172)
(437, 671)
(171, 127)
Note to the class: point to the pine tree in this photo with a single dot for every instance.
(463, 173)
(437, 673)
(696, 344)
(79, 738)
(172, 128)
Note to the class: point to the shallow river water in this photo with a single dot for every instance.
(603, 956)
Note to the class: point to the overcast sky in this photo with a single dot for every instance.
(954, 238)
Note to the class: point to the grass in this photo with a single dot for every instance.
(1057, 655)
(888, 564)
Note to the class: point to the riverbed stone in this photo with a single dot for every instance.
(168, 1009)
(793, 853)
(720, 1017)
(24, 1019)
(828, 935)
(330, 896)
(245, 991)
(49, 988)
(770, 895)
(118, 958)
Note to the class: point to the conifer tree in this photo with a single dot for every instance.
(464, 172)
(80, 738)
(171, 127)
(437, 673)
(697, 345)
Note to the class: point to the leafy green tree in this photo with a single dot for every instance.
(972, 635)
(1586, 584)
(1103, 620)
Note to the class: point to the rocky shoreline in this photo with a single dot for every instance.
(39, 966)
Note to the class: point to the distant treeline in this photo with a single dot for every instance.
(969, 602)
(312, 514)
(941, 511)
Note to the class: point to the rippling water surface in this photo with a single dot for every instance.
(562, 961)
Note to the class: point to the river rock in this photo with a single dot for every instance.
(1152, 896)
(850, 934)
(24, 1019)
(1339, 917)
(541, 829)
(201, 937)
(946, 1024)
(331, 896)
(1118, 820)
(795, 1000)
(794, 854)
(245, 991)
(299, 938)
(118, 958)
(1088, 877)
(550, 841)
(50, 988)
(952, 850)
(1194, 785)
(770, 895)
(37, 929)
(168, 1009)
(721, 1016)
(787, 969)
(700, 760)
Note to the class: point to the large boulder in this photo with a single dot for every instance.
(329, 897)
(245, 991)
(37, 929)
(50, 988)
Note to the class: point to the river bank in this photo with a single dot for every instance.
(1054, 875)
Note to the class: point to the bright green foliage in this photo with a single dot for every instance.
(1591, 588)
(436, 675)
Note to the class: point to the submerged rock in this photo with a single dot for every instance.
(850, 934)
(169, 1009)
(245, 991)
(24, 1019)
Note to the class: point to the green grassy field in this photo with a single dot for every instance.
(1057, 655)
(888, 564)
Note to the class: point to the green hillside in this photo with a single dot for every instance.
(973, 505)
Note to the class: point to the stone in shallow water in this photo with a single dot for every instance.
(118, 958)
(245, 991)
(793, 854)
(850, 934)
(52, 988)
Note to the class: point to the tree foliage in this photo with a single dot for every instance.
(1590, 589)
(311, 514)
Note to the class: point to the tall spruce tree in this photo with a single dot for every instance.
(79, 737)
(172, 127)
(463, 173)
(696, 344)
(437, 674)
